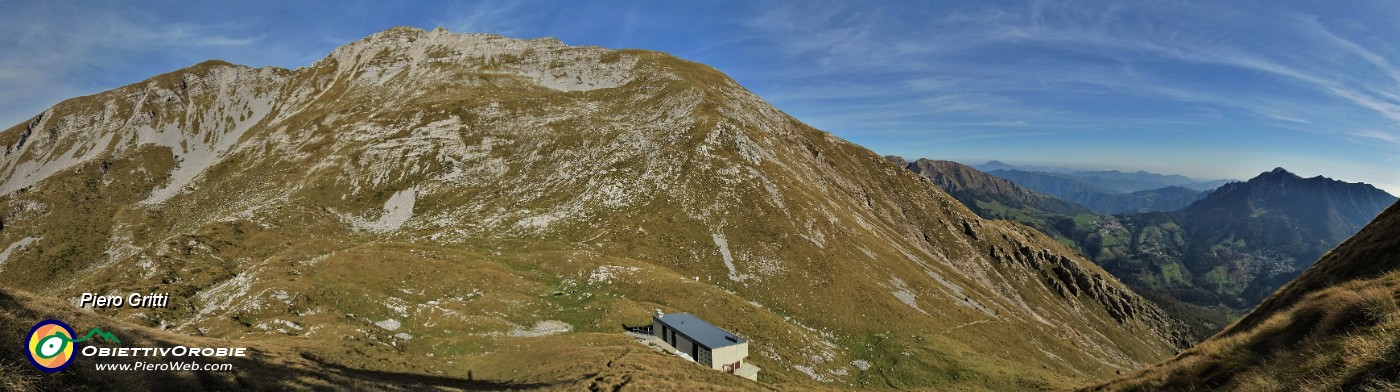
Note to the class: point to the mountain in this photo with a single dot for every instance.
(1113, 181)
(475, 207)
(967, 184)
(1055, 184)
(1207, 185)
(1111, 191)
(1331, 328)
(1328, 211)
(1091, 193)
(1237, 244)
(993, 165)
(1222, 254)
(999, 165)
(993, 197)
(1123, 182)
(1171, 198)
(1274, 225)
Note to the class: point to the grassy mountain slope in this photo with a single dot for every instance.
(959, 179)
(996, 198)
(1332, 328)
(452, 205)
(286, 364)
(993, 197)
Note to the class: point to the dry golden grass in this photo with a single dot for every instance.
(613, 363)
(1342, 338)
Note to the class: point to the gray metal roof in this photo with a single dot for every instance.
(700, 331)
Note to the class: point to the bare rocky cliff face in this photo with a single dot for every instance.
(437, 203)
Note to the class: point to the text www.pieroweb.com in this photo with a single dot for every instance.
(164, 366)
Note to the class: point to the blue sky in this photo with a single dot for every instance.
(1213, 89)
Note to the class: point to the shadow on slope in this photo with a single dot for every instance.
(265, 368)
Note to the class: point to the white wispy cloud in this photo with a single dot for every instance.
(1213, 72)
(1388, 137)
(44, 63)
(1301, 51)
(494, 17)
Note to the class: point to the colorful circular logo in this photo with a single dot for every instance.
(50, 345)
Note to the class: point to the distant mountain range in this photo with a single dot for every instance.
(999, 165)
(1113, 181)
(1117, 181)
(1229, 248)
(962, 180)
(1108, 192)
(1237, 244)
(994, 197)
(1170, 198)
(1100, 199)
